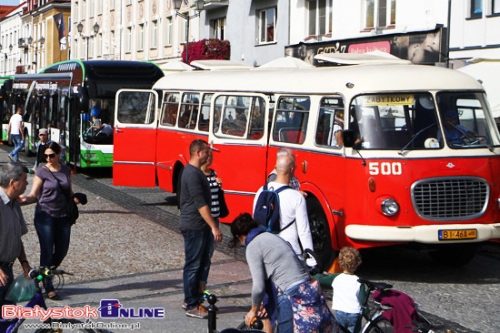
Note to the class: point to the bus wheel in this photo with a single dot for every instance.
(27, 150)
(320, 232)
(454, 255)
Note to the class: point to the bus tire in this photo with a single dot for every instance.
(27, 150)
(320, 232)
(454, 255)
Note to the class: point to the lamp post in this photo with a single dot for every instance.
(79, 27)
(5, 59)
(200, 4)
(30, 42)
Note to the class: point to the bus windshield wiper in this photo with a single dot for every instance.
(401, 152)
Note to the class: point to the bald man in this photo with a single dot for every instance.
(292, 207)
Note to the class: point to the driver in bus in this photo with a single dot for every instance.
(455, 133)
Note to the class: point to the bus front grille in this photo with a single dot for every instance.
(450, 198)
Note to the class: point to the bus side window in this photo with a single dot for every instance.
(204, 119)
(257, 119)
(291, 119)
(170, 107)
(330, 122)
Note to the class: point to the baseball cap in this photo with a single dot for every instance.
(43, 131)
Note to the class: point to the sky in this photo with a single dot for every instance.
(9, 2)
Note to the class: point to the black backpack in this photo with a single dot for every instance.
(267, 209)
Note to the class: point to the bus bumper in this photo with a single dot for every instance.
(427, 234)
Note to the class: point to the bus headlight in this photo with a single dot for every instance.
(390, 207)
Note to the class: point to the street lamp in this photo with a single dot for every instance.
(5, 60)
(200, 4)
(79, 27)
(30, 42)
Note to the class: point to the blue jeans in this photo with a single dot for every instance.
(285, 311)
(348, 320)
(197, 255)
(3, 289)
(211, 249)
(54, 236)
(18, 145)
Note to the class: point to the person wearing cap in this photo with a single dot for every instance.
(454, 132)
(44, 141)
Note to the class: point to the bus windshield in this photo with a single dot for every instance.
(409, 121)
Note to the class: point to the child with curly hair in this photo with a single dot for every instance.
(347, 289)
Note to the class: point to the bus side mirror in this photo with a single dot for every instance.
(349, 139)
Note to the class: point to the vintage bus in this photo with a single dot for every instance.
(73, 99)
(398, 177)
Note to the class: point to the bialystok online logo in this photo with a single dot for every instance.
(110, 308)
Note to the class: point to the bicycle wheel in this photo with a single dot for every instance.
(67, 325)
(380, 325)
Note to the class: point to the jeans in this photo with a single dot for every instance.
(3, 289)
(18, 145)
(285, 311)
(54, 236)
(348, 320)
(197, 256)
(211, 249)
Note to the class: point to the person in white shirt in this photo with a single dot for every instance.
(347, 289)
(292, 207)
(16, 132)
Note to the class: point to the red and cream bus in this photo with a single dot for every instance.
(400, 176)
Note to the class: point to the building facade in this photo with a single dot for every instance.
(43, 32)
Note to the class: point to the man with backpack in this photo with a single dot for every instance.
(282, 210)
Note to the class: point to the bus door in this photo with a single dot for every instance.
(239, 134)
(135, 138)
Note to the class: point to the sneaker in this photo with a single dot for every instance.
(10, 158)
(200, 312)
(184, 305)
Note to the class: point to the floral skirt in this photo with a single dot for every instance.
(310, 311)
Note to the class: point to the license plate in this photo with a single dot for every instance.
(457, 234)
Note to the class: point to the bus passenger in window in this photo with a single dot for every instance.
(104, 130)
(456, 134)
(336, 139)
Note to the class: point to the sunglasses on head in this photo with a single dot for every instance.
(49, 155)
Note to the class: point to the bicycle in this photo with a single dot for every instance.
(372, 320)
(50, 325)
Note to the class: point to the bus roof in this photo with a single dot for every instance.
(323, 80)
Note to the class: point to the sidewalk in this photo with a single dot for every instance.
(118, 255)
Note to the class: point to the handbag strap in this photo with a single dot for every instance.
(68, 197)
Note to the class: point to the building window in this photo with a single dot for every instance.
(140, 37)
(154, 34)
(217, 28)
(267, 24)
(320, 17)
(380, 13)
(168, 31)
(495, 6)
(185, 32)
(129, 39)
(476, 8)
(111, 5)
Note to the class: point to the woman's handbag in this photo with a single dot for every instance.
(223, 210)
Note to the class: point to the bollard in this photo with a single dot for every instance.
(212, 313)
